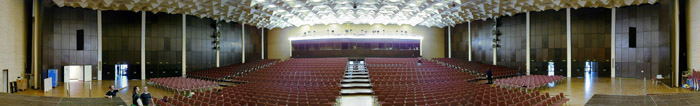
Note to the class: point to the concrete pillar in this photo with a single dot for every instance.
(143, 45)
(612, 43)
(184, 45)
(449, 42)
(568, 42)
(262, 43)
(243, 43)
(469, 41)
(527, 43)
(99, 45)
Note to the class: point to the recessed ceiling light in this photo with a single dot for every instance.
(439, 4)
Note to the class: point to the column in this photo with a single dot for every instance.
(676, 69)
(243, 43)
(262, 43)
(527, 43)
(143, 45)
(35, 66)
(184, 45)
(495, 49)
(449, 42)
(469, 41)
(568, 42)
(99, 45)
(612, 43)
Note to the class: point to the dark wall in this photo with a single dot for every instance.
(460, 41)
(652, 52)
(163, 45)
(200, 52)
(590, 32)
(548, 41)
(253, 43)
(512, 51)
(59, 39)
(121, 42)
(482, 50)
(230, 44)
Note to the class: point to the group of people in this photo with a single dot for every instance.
(142, 99)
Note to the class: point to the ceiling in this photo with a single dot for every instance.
(293, 13)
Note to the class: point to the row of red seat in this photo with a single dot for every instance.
(529, 81)
(181, 84)
(398, 88)
(221, 73)
(303, 82)
(478, 68)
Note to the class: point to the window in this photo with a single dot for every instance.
(633, 37)
(80, 40)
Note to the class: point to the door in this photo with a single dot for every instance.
(4, 80)
(87, 73)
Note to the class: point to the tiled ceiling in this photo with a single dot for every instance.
(292, 13)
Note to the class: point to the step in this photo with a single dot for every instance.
(355, 80)
(357, 77)
(356, 91)
(346, 71)
(356, 85)
(357, 73)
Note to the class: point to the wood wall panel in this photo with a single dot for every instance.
(59, 38)
(200, 52)
(548, 41)
(482, 50)
(589, 29)
(163, 45)
(121, 34)
(512, 51)
(652, 52)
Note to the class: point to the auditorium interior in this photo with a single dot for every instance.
(349, 52)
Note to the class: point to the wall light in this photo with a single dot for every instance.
(355, 37)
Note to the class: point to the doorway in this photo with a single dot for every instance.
(591, 69)
(550, 68)
(121, 75)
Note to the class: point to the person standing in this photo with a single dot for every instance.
(135, 98)
(146, 97)
(112, 92)
(489, 76)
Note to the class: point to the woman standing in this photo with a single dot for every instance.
(135, 98)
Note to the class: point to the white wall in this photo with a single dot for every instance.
(278, 44)
(12, 37)
(693, 19)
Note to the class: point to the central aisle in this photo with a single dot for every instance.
(356, 86)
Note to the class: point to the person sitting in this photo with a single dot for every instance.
(146, 97)
(112, 92)
(419, 61)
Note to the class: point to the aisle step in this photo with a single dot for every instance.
(357, 73)
(355, 80)
(356, 91)
(357, 77)
(356, 85)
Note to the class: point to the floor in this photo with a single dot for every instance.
(683, 99)
(29, 100)
(98, 89)
(579, 90)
